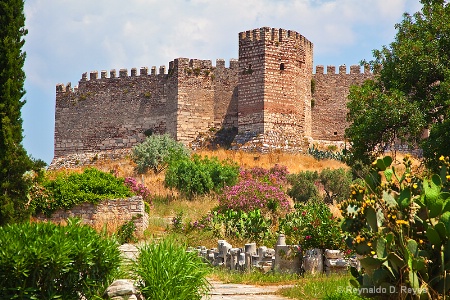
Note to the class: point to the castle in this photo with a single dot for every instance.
(270, 94)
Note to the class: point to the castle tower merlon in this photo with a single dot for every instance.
(84, 76)
(103, 74)
(331, 70)
(154, 70)
(112, 73)
(143, 71)
(275, 35)
(342, 69)
(234, 64)
(133, 72)
(60, 88)
(220, 63)
(355, 69)
(319, 69)
(123, 73)
(162, 70)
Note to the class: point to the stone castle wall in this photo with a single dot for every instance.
(266, 94)
(115, 212)
(113, 112)
(330, 97)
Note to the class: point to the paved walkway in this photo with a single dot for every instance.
(230, 291)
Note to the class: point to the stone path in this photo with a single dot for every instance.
(224, 291)
(231, 291)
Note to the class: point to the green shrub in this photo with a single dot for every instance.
(67, 191)
(312, 225)
(47, 261)
(157, 152)
(166, 271)
(199, 176)
(329, 154)
(334, 183)
(303, 186)
(229, 223)
(126, 232)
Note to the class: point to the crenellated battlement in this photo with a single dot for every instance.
(342, 70)
(268, 95)
(145, 72)
(272, 34)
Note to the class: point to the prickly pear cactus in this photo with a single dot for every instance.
(400, 226)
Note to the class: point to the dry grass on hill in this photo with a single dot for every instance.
(167, 204)
(294, 162)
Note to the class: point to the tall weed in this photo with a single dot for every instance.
(166, 271)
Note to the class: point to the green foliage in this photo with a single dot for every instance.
(126, 232)
(312, 225)
(66, 191)
(378, 118)
(249, 226)
(199, 176)
(412, 90)
(157, 152)
(14, 161)
(303, 187)
(335, 184)
(166, 271)
(47, 261)
(328, 154)
(401, 227)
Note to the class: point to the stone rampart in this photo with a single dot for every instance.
(115, 212)
(115, 112)
(270, 94)
(329, 109)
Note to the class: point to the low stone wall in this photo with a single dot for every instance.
(111, 212)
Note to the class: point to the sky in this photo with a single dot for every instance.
(67, 38)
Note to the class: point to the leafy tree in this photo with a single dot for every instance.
(303, 186)
(14, 161)
(336, 184)
(327, 186)
(156, 152)
(411, 91)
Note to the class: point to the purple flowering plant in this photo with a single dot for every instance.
(274, 176)
(252, 194)
(138, 188)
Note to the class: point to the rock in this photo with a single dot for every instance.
(121, 287)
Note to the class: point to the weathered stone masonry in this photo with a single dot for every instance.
(266, 94)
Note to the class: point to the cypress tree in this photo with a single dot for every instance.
(14, 161)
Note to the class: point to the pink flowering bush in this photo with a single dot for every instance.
(251, 194)
(138, 188)
(273, 176)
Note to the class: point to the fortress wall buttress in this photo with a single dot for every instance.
(225, 83)
(331, 90)
(111, 112)
(195, 112)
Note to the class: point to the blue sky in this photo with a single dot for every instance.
(67, 38)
